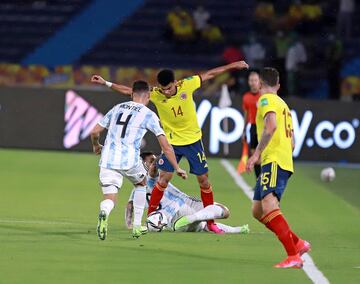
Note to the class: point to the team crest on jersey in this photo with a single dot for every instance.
(264, 102)
(161, 162)
(183, 96)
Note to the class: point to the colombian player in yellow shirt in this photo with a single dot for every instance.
(176, 108)
(276, 143)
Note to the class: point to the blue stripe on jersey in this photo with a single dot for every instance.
(111, 150)
(111, 155)
(180, 201)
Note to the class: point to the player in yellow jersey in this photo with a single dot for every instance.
(276, 143)
(175, 106)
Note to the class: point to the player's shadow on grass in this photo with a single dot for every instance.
(69, 233)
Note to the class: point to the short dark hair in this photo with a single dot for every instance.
(140, 86)
(145, 154)
(269, 76)
(165, 77)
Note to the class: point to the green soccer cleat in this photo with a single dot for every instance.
(181, 222)
(138, 231)
(244, 229)
(102, 225)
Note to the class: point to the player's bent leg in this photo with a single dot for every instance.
(106, 206)
(244, 229)
(226, 211)
(158, 190)
(110, 181)
(256, 210)
(274, 220)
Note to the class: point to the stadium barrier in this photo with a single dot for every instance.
(55, 119)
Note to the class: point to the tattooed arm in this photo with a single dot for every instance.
(268, 132)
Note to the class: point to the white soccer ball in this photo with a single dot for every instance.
(156, 221)
(327, 174)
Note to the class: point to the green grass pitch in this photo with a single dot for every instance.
(48, 214)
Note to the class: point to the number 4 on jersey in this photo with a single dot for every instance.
(123, 123)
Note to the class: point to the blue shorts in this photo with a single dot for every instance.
(273, 179)
(195, 155)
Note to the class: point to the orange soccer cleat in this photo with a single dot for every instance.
(293, 261)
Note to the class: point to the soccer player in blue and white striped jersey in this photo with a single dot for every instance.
(176, 207)
(127, 123)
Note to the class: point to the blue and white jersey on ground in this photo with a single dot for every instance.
(127, 123)
(175, 203)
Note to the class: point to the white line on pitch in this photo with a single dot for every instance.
(315, 275)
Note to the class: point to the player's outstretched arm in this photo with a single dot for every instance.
(268, 132)
(216, 71)
(116, 87)
(95, 136)
(170, 155)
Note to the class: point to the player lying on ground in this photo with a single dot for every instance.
(179, 211)
(276, 143)
(175, 105)
(127, 123)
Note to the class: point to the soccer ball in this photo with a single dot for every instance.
(327, 174)
(156, 221)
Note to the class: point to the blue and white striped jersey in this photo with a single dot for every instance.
(127, 123)
(174, 203)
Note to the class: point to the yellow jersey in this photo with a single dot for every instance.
(279, 149)
(178, 113)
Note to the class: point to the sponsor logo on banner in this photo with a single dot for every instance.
(80, 118)
(326, 134)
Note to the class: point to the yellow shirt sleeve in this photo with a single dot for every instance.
(266, 104)
(192, 83)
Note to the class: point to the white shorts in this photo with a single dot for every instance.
(111, 180)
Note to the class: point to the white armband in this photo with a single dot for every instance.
(108, 84)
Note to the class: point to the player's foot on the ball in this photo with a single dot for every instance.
(215, 229)
(293, 261)
(138, 231)
(303, 247)
(102, 225)
(244, 229)
(181, 222)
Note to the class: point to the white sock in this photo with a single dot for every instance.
(139, 204)
(107, 205)
(228, 229)
(208, 213)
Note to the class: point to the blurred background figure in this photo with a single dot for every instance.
(254, 52)
(201, 18)
(334, 55)
(181, 25)
(345, 17)
(295, 57)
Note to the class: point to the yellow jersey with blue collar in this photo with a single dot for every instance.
(279, 149)
(178, 113)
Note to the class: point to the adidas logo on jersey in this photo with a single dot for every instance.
(80, 118)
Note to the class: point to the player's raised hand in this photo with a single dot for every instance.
(252, 161)
(241, 65)
(98, 80)
(181, 173)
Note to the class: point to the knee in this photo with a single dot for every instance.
(226, 213)
(203, 181)
(256, 212)
(163, 181)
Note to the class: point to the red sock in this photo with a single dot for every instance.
(207, 198)
(275, 222)
(156, 195)
(294, 237)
